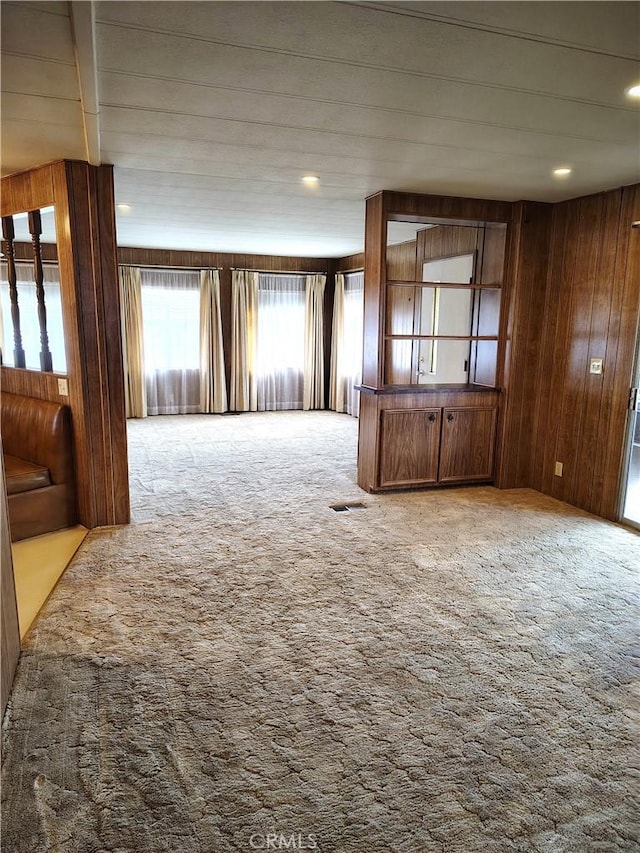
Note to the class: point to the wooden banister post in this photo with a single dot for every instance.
(35, 229)
(8, 236)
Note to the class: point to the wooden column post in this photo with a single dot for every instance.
(85, 211)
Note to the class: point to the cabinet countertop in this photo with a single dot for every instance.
(464, 388)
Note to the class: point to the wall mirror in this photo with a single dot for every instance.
(31, 324)
(442, 302)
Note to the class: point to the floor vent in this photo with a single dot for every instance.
(347, 507)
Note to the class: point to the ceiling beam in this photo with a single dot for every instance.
(83, 20)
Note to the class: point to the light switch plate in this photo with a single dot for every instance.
(595, 365)
(63, 387)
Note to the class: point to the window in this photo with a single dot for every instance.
(171, 319)
(171, 330)
(280, 341)
(29, 324)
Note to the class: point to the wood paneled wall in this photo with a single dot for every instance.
(85, 229)
(9, 626)
(522, 341)
(350, 263)
(446, 241)
(591, 311)
(32, 383)
(571, 292)
(24, 251)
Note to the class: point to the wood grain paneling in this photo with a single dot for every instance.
(591, 311)
(24, 252)
(32, 383)
(85, 228)
(30, 190)
(623, 327)
(350, 263)
(400, 320)
(447, 241)
(521, 341)
(465, 210)
(468, 443)
(90, 303)
(374, 450)
(10, 631)
(204, 260)
(402, 264)
(410, 443)
(375, 238)
(109, 327)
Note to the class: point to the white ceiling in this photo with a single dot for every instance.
(212, 112)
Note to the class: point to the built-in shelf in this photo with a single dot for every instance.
(445, 284)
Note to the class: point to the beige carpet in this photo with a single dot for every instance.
(245, 669)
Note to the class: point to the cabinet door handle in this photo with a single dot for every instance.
(450, 416)
(432, 417)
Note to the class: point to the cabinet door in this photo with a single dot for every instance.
(468, 441)
(409, 445)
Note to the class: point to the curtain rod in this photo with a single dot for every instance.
(353, 269)
(166, 267)
(279, 272)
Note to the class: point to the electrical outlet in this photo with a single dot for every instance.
(595, 366)
(559, 467)
(63, 387)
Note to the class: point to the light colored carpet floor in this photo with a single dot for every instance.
(244, 669)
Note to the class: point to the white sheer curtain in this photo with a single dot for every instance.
(313, 397)
(280, 355)
(171, 314)
(213, 388)
(346, 349)
(29, 325)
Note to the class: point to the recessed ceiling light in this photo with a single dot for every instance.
(562, 172)
(310, 180)
(124, 207)
(633, 91)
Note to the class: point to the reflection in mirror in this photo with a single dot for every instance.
(31, 326)
(445, 311)
(402, 250)
(457, 269)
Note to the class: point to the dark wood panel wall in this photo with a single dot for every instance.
(591, 311)
(85, 228)
(350, 263)
(523, 299)
(571, 292)
(9, 626)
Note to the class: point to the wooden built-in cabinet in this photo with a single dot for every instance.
(425, 447)
(433, 340)
(426, 438)
(467, 444)
(409, 447)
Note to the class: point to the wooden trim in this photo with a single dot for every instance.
(445, 284)
(176, 258)
(32, 383)
(441, 337)
(10, 640)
